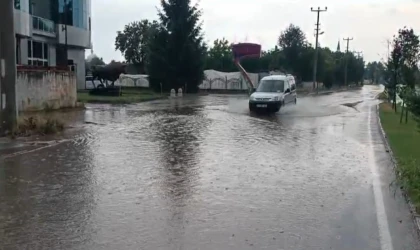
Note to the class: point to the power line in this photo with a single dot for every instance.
(348, 39)
(318, 11)
(8, 111)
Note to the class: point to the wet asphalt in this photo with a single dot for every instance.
(204, 173)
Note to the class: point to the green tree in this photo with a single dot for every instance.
(177, 51)
(410, 52)
(219, 56)
(292, 42)
(393, 74)
(133, 41)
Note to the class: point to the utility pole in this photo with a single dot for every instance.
(8, 111)
(64, 28)
(318, 11)
(348, 39)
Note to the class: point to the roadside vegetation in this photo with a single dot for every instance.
(128, 95)
(155, 50)
(404, 140)
(401, 121)
(37, 124)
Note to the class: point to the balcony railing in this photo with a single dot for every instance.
(42, 24)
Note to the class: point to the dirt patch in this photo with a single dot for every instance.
(387, 107)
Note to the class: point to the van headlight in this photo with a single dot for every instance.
(251, 98)
(276, 98)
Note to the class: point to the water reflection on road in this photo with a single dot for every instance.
(197, 173)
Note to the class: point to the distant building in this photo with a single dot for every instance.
(40, 33)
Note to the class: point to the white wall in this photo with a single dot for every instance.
(23, 51)
(78, 57)
(75, 36)
(226, 80)
(38, 89)
(52, 54)
(22, 23)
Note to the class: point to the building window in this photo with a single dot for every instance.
(18, 52)
(38, 53)
(74, 13)
(22, 5)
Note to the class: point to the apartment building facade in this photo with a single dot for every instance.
(46, 29)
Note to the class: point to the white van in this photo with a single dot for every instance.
(273, 92)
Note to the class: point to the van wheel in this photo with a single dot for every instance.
(295, 101)
(251, 108)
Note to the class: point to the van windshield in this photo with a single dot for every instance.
(271, 86)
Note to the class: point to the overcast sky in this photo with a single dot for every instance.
(369, 22)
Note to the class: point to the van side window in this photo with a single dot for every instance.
(286, 85)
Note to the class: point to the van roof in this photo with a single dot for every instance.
(276, 77)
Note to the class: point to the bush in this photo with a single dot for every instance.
(37, 124)
(413, 105)
(408, 176)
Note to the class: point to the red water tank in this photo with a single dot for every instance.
(241, 50)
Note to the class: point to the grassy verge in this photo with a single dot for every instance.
(404, 140)
(128, 96)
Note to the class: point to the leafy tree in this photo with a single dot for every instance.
(177, 51)
(292, 42)
(375, 72)
(393, 65)
(133, 41)
(410, 52)
(219, 56)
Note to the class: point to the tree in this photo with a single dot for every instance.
(177, 51)
(219, 56)
(410, 55)
(393, 71)
(133, 41)
(292, 42)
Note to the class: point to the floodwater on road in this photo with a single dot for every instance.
(204, 173)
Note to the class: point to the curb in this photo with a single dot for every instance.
(414, 215)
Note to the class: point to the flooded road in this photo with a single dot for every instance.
(204, 173)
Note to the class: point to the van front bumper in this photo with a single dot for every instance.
(265, 104)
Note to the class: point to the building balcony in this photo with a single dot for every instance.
(22, 23)
(42, 26)
(75, 36)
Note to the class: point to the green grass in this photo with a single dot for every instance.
(128, 96)
(404, 140)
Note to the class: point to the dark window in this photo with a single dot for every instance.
(18, 50)
(29, 48)
(37, 47)
(45, 51)
(17, 4)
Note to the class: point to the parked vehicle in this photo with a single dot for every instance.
(273, 92)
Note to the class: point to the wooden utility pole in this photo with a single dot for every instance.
(318, 11)
(348, 39)
(8, 110)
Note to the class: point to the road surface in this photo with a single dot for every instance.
(204, 173)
